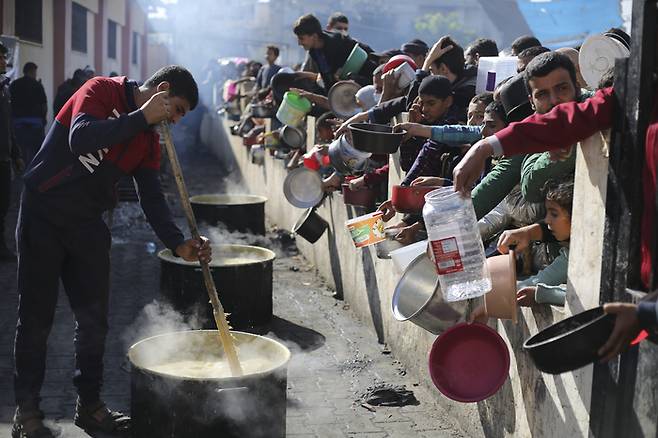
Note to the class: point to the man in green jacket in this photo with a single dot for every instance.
(550, 79)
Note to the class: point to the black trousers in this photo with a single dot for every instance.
(5, 196)
(80, 257)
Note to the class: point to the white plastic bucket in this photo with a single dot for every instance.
(404, 256)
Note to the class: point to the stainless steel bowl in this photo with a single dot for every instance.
(385, 247)
(418, 298)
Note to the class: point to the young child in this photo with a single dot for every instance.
(548, 286)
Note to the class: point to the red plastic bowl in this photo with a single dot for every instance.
(410, 199)
(469, 362)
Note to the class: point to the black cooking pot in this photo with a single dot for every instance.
(175, 405)
(571, 343)
(375, 138)
(243, 276)
(310, 225)
(244, 213)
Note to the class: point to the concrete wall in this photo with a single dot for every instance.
(530, 403)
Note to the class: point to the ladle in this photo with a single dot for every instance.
(217, 309)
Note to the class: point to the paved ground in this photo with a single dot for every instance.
(335, 359)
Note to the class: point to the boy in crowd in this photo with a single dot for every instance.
(330, 50)
(479, 48)
(104, 131)
(266, 72)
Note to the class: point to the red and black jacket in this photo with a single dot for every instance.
(98, 136)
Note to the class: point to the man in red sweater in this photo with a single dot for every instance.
(105, 130)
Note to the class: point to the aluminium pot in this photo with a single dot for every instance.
(385, 247)
(363, 197)
(243, 276)
(294, 137)
(571, 343)
(310, 225)
(168, 404)
(418, 298)
(244, 213)
(409, 199)
(375, 138)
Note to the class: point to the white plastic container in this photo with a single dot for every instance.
(405, 74)
(456, 246)
(501, 67)
(404, 256)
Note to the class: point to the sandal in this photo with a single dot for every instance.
(98, 420)
(29, 424)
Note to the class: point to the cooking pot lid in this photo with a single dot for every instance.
(303, 187)
(342, 98)
(225, 255)
(225, 199)
(597, 55)
(469, 362)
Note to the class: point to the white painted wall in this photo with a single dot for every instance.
(40, 54)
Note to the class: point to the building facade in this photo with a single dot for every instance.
(61, 36)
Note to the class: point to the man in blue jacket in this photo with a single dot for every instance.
(105, 130)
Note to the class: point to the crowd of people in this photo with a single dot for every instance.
(520, 176)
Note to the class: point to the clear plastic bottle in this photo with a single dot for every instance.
(456, 246)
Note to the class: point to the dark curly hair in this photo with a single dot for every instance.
(560, 192)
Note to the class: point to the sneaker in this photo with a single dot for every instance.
(29, 424)
(97, 420)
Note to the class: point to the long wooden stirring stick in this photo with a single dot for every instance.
(217, 309)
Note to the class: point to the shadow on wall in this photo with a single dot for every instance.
(334, 257)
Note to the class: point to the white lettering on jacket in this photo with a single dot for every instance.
(90, 161)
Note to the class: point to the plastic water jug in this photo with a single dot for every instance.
(456, 246)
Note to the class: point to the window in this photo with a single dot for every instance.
(78, 28)
(135, 53)
(28, 20)
(111, 39)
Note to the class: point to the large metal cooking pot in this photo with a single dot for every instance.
(345, 158)
(418, 298)
(243, 275)
(310, 225)
(375, 138)
(244, 213)
(571, 343)
(176, 405)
